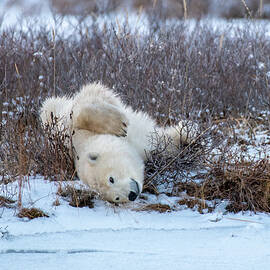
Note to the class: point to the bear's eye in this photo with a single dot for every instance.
(117, 198)
(111, 180)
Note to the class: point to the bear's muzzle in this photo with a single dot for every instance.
(135, 190)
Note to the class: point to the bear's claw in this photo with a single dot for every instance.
(124, 134)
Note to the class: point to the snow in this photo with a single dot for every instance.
(17, 17)
(108, 237)
(20, 17)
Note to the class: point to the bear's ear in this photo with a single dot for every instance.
(93, 157)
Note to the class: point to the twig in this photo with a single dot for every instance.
(247, 8)
(185, 9)
(175, 158)
(244, 220)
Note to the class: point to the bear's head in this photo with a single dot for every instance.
(111, 167)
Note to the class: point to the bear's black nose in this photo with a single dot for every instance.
(132, 196)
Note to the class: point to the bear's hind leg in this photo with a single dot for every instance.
(184, 132)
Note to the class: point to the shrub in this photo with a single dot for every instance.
(173, 72)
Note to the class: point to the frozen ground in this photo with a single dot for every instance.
(107, 237)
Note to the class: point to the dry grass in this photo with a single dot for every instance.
(77, 197)
(28, 149)
(200, 205)
(161, 208)
(245, 184)
(6, 202)
(31, 213)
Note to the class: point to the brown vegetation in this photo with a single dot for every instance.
(31, 213)
(200, 205)
(202, 75)
(77, 197)
(246, 184)
(161, 208)
(6, 202)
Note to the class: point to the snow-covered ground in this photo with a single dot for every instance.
(107, 237)
(37, 13)
(18, 16)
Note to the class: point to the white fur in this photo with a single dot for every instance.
(98, 122)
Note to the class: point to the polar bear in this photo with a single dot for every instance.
(109, 140)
